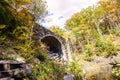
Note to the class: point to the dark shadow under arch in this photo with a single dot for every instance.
(53, 44)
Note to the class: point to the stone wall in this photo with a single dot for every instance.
(14, 70)
(41, 32)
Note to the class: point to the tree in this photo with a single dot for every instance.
(17, 16)
(91, 24)
(80, 26)
(38, 9)
(111, 12)
(58, 31)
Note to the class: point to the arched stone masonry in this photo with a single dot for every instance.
(51, 39)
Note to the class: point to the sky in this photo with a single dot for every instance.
(61, 10)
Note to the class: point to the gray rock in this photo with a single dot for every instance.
(8, 78)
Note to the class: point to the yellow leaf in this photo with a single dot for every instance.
(2, 26)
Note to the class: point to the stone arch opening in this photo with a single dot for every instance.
(53, 45)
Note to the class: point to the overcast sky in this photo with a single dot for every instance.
(61, 10)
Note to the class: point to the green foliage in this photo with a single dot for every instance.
(40, 51)
(86, 27)
(21, 33)
(89, 52)
(8, 57)
(25, 50)
(90, 25)
(6, 18)
(48, 71)
(16, 25)
(2, 26)
(38, 9)
(40, 55)
(3, 40)
(14, 19)
(76, 70)
(116, 72)
(105, 48)
(54, 71)
(58, 31)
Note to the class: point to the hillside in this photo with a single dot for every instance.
(93, 39)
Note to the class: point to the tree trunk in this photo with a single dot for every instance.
(98, 30)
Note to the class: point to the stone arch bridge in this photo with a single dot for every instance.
(54, 42)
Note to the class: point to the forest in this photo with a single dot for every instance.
(94, 32)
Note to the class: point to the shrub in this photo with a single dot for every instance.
(40, 51)
(116, 72)
(75, 68)
(48, 71)
(89, 50)
(40, 55)
(105, 48)
(101, 47)
(8, 57)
